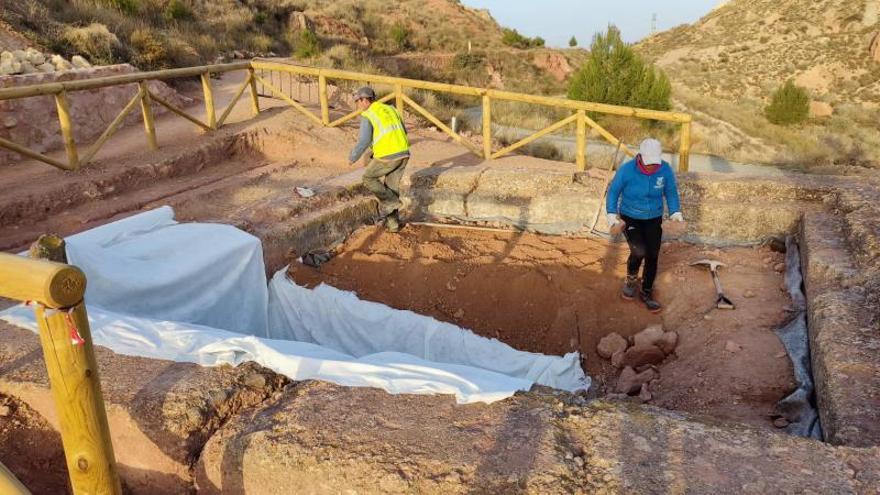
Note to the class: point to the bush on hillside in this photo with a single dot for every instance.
(94, 41)
(616, 75)
(399, 36)
(789, 105)
(573, 42)
(307, 44)
(148, 49)
(468, 61)
(177, 10)
(125, 6)
(512, 37)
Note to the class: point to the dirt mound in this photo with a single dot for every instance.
(556, 295)
(31, 448)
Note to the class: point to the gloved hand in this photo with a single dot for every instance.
(677, 217)
(612, 219)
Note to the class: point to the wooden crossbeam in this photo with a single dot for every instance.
(533, 137)
(295, 104)
(440, 125)
(111, 128)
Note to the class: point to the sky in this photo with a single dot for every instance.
(557, 20)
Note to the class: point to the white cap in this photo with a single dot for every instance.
(651, 151)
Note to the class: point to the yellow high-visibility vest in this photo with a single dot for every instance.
(389, 137)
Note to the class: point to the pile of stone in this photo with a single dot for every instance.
(32, 61)
(638, 358)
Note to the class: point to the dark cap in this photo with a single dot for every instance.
(365, 92)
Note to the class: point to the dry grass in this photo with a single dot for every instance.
(95, 40)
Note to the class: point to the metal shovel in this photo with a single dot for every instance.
(722, 302)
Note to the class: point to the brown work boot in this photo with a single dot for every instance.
(630, 287)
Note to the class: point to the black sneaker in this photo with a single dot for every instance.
(630, 287)
(652, 305)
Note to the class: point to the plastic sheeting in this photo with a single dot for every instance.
(152, 266)
(339, 320)
(164, 290)
(799, 407)
(393, 372)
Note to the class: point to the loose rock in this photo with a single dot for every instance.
(629, 382)
(645, 394)
(617, 359)
(648, 336)
(668, 342)
(780, 422)
(637, 356)
(611, 344)
(79, 62)
(4, 411)
(458, 313)
(779, 267)
(732, 347)
(748, 294)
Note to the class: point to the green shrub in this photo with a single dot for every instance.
(307, 45)
(512, 37)
(125, 6)
(789, 105)
(616, 75)
(149, 52)
(467, 61)
(94, 41)
(573, 42)
(177, 10)
(399, 36)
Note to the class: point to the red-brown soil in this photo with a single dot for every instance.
(555, 295)
(31, 449)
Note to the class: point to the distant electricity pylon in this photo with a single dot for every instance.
(654, 23)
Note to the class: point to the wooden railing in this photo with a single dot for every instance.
(55, 291)
(579, 116)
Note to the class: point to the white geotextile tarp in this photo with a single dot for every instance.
(160, 289)
(149, 265)
(393, 372)
(339, 320)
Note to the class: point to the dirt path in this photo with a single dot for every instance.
(556, 295)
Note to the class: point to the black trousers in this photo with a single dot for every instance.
(643, 237)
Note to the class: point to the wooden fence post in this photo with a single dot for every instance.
(67, 129)
(147, 111)
(210, 111)
(398, 97)
(581, 153)
(487, 127)
(325, 103)
(255, 101)
(56, 290)
(685, 150)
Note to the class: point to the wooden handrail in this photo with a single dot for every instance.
(581, 108)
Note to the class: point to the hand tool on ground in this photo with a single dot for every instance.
(722, 302)
(610, 173)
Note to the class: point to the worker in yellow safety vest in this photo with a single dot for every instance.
(382, 129)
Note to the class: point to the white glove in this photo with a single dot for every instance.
(612, 219)
(677, 217)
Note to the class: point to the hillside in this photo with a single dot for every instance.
(725, 67)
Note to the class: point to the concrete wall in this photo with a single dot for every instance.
(33, 122)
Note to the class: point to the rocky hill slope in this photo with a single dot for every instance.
(726, 65)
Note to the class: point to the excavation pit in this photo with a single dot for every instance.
(554, 295)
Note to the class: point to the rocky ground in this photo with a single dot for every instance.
(555, 295)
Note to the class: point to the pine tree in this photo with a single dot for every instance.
(573, 42)
(615, 74)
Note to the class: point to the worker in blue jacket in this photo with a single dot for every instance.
(635, 205)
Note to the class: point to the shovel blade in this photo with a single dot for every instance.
(724, 303)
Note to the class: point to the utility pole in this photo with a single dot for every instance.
(654, 23)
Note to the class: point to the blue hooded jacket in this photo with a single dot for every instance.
(640, 196)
